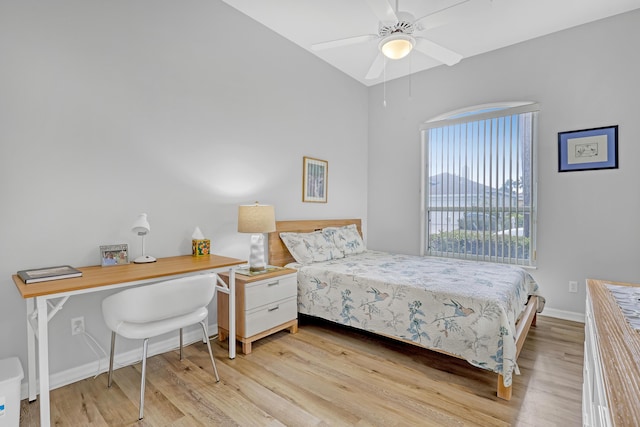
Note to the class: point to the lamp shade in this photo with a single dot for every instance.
(256, 219)
(397, 46)
(141, 225)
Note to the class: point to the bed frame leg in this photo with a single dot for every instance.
(535, 317)
(503, 392)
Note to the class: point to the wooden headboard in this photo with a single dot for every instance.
(279, 254)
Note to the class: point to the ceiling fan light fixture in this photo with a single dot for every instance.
(397, 46)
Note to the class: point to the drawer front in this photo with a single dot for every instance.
(267, 291)
(270, 315)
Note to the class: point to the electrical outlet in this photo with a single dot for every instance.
(77, 325)
(573, 286)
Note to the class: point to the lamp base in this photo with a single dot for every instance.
(144, 259)
(256, 253)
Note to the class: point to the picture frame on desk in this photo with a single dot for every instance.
(111, 255)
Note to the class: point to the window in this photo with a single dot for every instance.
(478, 192)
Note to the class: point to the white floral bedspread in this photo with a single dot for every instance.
(465, 308)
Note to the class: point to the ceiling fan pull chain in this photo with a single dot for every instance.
(384, 84)
(410, 74)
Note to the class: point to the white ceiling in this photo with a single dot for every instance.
(470, 28)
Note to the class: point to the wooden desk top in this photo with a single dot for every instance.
(96, 275)
(619, 347)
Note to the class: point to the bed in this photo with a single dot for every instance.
(477, 311)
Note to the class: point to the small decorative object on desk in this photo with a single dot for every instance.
(48, 273)
(114, 254)
(268, 269)
(199, 245)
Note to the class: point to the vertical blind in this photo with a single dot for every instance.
(478, 185)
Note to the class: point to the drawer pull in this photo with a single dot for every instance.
(273, 283)
(273, 309)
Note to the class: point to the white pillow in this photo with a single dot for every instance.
(346, 239)
(311, 247)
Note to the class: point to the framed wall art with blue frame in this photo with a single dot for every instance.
(588, 149)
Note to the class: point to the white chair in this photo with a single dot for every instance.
(148, 311)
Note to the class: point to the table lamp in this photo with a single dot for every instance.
(256, 219)
(142, 227)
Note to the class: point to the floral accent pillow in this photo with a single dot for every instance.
(307, 248)
(346, 239)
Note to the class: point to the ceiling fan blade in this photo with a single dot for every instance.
(376, 67)
(437, 52)
(453, 10)
(383, 10)
(344, 42)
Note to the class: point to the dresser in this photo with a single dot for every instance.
(265, 304)
(611, 380)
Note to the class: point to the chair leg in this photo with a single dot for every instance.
(181, 344)
(142, 380)
(206, 338)
(113, 347)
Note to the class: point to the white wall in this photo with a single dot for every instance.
(113, 108)
(584, 77)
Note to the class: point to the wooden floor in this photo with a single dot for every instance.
(332, 376)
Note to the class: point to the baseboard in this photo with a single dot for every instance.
(93, 369)
(565, 315)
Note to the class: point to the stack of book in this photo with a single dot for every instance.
(268, 269)
(48, 273)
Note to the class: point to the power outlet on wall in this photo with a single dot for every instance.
(77, 325)
(573, 286)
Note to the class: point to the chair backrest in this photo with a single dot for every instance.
(159, 301)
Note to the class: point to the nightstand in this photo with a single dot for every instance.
(265, 304)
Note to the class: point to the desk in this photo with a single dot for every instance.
(41, 306)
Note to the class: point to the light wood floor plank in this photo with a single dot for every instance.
(326, 375)
(418, 395)
(261, 392)
(294, 392)
(343, 388)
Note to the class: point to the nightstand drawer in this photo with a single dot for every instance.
(270, 315)
(267, 291)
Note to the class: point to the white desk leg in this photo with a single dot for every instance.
(232, 313)
(43, 360)
(31, 352)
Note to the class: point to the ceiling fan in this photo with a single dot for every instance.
(397, 34)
